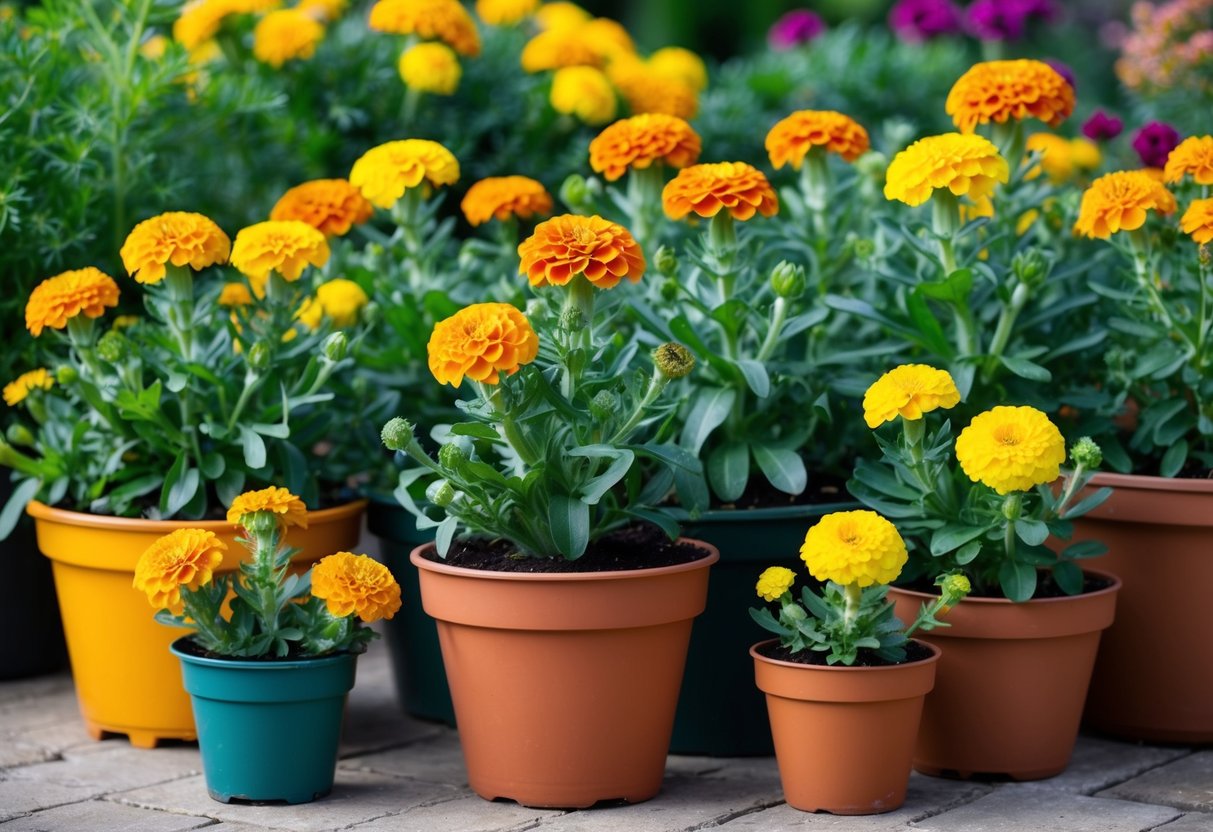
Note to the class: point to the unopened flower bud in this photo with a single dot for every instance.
(372, 313)
(864, 248)
(572, 320)
(673, 359)
(112, 347)
(335, 346)
(954, 587)
(19, 434)
(1086, 452)
(1204, 254)
(259, 357)
(577, 191)
(667, 261)
(66, 374)
(440, 493)
(788, 280)
(397, 434)
(1028, 266)
(452, 455)
(604, 405)
(669, 290)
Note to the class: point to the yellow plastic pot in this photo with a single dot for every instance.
(127, 681)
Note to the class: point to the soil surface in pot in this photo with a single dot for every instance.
(1046, 587)
(822, 488)
(642, 546)
(193, 649)
(915, 652)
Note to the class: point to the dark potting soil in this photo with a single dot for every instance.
(915, 652)
(822, 488)
(642, 546)
(293, 655)
(1046, 587)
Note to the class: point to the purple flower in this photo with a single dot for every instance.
(1102, 127)
(1006, 19)
(918, 20)
(794, 28)
(1154, 143)
(1064, 71)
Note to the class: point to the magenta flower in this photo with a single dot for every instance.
(1006, 19)
(1154, 143)
(794, 28)
(1102, 127)
(919, 20)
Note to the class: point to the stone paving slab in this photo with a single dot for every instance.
(1016, 808)
(1195, 822)
(1099, 763)
(434, 760)
(100, 816)
(466, 814)
(1186, 783)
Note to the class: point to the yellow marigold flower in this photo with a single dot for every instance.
(505, 12)
(1197, 221)
(736, 187)
(585, 92)
(154, 47)
(286, 35)
(793, 137)
(235, 294)
(1119, 202)
(331, 206)
(57, 299)
(385, 172)
(774, 582)
(1085, 154)
(340, 299)
(1011, 449)
(908, 391)
(1056, 157)
(288, 509)
(19, 388)
(682, 64)
(608, 37)
(1001, 90)
(557, 48)
(854, 547)
(176, 237)
(481, 341)
(967, 165)
(639, 141)
(350, 583)
(182, 558)
(200, 20)
(444, 20)
(561, 15)
(431, 67)
(1194, 155)
(563, 247)
(504, 197)
(647, 92)
(283, 246)
(323, 10)
(1025, 222)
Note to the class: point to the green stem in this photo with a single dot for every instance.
(815, 187)
(513, 436)
(945, 221)
(644, 200)
(657, 383)
(1012, 504)
(1139, 242)
(853, 595)
(1071, 486)
(1006, 323)
(779, 314)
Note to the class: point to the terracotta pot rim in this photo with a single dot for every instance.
(40, 511)
(1146, 482)
(711, 557)
(970, 600)
(256, 664)
(840, 668)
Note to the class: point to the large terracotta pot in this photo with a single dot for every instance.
(127, 682)
(1153, 677)
(1011, 682)
(844, 736)
(564, 684)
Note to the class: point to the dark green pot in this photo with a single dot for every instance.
(721, 712)
(268, 730)
(30, 612)
(412, 636)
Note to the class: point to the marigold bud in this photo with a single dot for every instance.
(1086, 452)
(669, 290)
(440, 493)
(66, 374)
(864, 248)
(397, 434)
(1204, 255)
(1029, 266)
(451, 455)
(604, 405)
(259, 357)
(788, 280)
(673, 359)
(335, 346)
(19, 434)
(112, 347)
(577, 191)
(667, 261)
(954, 587)
(572, 320)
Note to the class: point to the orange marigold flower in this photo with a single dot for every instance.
(349, 583)
(556, 48)
(563, 247)
(235, 294)
(444, 20)
(739, 188)
(176, 237)
(288, 509)
(639, 141)
(1197, 221)
(182, 558)
(682, 64)
(1194, 155)
(283, 246)
(585, 92)
(967, 165)
(19, 388)
(331, 206)
(648, 92)
(58, 299)
(504, 197)
(286, 35)
(1119, 202)
(505, 12)
(793, 137)
(480, 342)
(385, 172)
(1001, 90)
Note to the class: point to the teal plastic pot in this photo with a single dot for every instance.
(412, 636)
(720, 711)
(268, 730)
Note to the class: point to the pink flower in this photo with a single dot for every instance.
(794, 28)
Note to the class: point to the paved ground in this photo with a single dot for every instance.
(400, 774)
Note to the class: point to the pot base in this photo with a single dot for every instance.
(287, 800)
(1018, 776)
(138, 737)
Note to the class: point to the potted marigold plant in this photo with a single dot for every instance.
(551, 552)
(844, 671)
(160, 420)
(1160, 374)
(273, 653)
(1017, 657)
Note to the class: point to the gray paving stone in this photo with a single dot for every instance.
(99, 816)
(357, 797)
(25, 745)
(465, 814)
(436, 760)
(1186, 783)
(20, 797)
(112, 767)
(752, 767)
(374, 719)
(1195, 822)
(1018, 808)
(1099, 763)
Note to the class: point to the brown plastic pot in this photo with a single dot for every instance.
(844, 736)
(1011, 683)
(564, 684)
(1153, 677)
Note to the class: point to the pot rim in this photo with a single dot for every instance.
(1146, 482)
(41, 511)
(1113, 587)
(257, 664)
(713, 555)
(841, 668)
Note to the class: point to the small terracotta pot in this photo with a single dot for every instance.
(1153, 677)
(844, 736)
(1011, 683)
(564, 684)
(126, 679)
